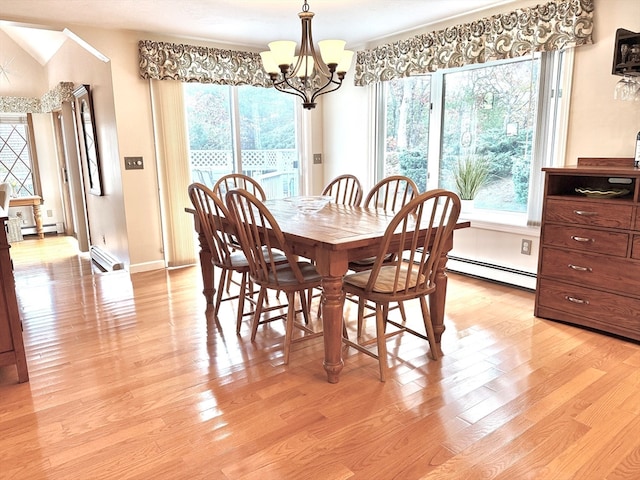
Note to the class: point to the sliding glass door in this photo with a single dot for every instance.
(244, 129)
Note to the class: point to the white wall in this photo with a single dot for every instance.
(600, 126)
(106, 213)
(133, 126)
(25, 73)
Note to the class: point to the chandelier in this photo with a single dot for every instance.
(307, 75)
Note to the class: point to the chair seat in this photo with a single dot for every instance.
(386, 279)
(238, 261)
(369, 261)
(287, 278)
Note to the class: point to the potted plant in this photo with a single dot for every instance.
(470, 175)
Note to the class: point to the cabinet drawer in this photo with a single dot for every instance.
(597, 214)
(604, 311)
(589, 240)
(608, 273)
(635, 247)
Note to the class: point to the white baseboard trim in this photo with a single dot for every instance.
(147, 266)
(48, 228)
(494, 273)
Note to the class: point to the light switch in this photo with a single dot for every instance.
(133, 163)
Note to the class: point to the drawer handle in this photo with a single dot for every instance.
(579, 268)
(582, 239)
(576, 300)
(584, 213)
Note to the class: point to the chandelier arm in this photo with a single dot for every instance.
(286, 86)
(322, 90)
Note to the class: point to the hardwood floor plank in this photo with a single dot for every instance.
(131, 378)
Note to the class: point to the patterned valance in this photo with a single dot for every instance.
(555, 25)
(190, 63)
(50, 101)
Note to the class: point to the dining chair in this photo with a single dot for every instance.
(412, 273)
(345, 189)
(389, 194)
(238, 180)
(214, 219)
(261, 239)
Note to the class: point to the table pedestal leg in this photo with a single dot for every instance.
(437, 302)
(332, 304)
(207, 269)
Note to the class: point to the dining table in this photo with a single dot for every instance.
(333, 237)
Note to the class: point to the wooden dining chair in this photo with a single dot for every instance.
(238, 180)
(389, 194)
(345, 190)
(216, 228)
(412, 273)
(261, 239)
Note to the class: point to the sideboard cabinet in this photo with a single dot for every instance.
(589, 262)
(11, 344)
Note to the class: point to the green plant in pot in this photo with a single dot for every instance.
(470, 175)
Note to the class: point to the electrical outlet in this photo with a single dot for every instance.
(317, 158)
(525, 247)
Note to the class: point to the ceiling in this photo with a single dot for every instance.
(250, 23)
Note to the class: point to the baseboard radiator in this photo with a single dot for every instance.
(494, 273)
(104, 259)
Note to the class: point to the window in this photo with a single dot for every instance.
(16, 165)
(489, 114)
(243, 129)
(406, 119)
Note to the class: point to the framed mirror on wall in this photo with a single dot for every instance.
(87, 139)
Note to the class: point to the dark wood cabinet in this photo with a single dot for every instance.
(589, 262)
(11, 344)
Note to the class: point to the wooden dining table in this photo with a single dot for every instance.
(332, 238)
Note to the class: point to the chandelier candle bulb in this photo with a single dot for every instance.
(268, 63)
(331, 51)
(283, 52)
(345, 62)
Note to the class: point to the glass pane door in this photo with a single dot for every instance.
(263, 145)
(268, 139)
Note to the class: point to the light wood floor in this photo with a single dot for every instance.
(131, 379)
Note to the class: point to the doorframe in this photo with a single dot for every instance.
(69, 158)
